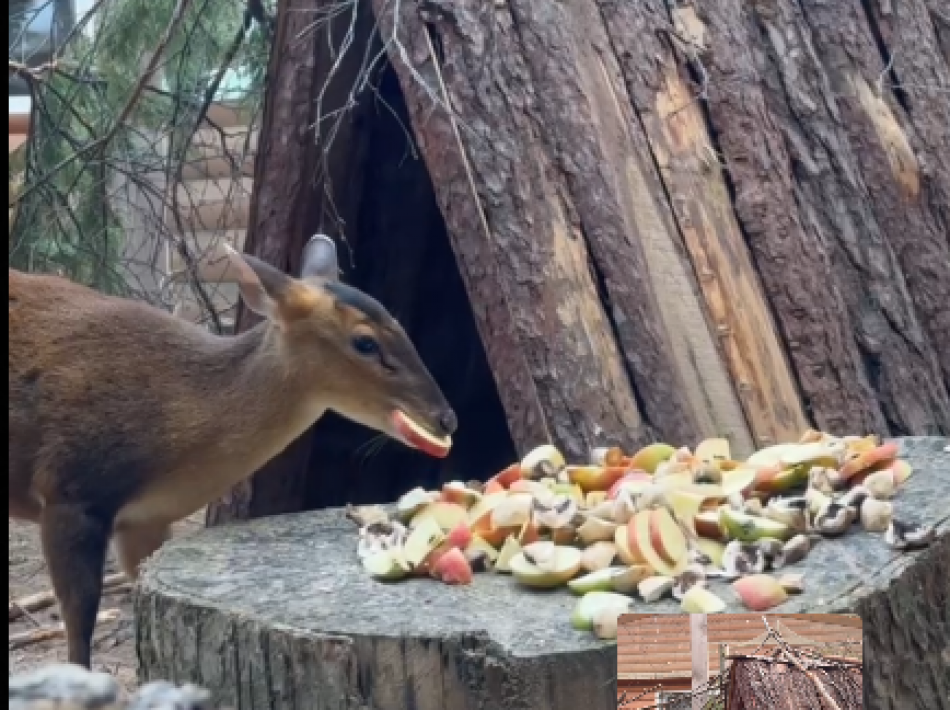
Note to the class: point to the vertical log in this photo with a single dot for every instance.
(672, 117)
(831, 277)
(910, 74)
(862, 197)
(517, 240)
(563, 175)
(624, 215)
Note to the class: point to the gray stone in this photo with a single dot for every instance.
(62, 682)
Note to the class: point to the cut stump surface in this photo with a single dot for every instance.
(277, 614)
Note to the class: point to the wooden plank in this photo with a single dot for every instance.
(728, 280)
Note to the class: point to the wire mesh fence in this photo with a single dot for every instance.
(142, 126)
(709, 696)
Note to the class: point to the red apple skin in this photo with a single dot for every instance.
(509, 475)
(494, 487)
(638, 557)
(453, 568)
(656, 537)
(629, 477)
(460, 536)
(414, 438)
(760, 592)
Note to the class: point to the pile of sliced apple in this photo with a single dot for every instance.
(662, 522)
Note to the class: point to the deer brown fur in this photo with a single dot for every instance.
(125, 419)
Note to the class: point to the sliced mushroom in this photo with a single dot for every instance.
(795, 550)
(908, 536)
(834, 519)
(876, 515)
(694, 574)
(770, 549)
(740, 559)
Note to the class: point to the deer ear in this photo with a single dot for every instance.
(320, 260)
(262, 286)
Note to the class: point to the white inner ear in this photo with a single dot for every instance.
(320, 260)
(250, 286)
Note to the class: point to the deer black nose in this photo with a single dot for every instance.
(448, 422)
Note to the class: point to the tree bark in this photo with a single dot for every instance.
(854, 334)
(544, 158)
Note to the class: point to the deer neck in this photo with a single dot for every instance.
(262, 402)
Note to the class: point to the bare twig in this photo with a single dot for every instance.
(99, 146)
(50, 633)
(42, 600)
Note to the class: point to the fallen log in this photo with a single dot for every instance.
(277, 613)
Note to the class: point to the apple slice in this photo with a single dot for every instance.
(448, 516)
(598, 556)
(627, 581)
(633, 481)
(385, 566)
(542, 461)
(593, 603)
(506, 477)
(738, 481)
(479, 515)
(650, 457)
(751, 528)
(595, 478)
(412, 502)
(713, 450)
(650, 527)
(564, 565)
(712, 549)
(512, 512)
(627, 553)
(458, 493)
(604, 622)
(453, 568)
(652, 589)
(511, 548)
(478, 544)
(666, 537)
(596, 530)
(699, 600)
(599, 581)
(422, 541)
(416, 436)
(706, 524)
(460, 536)
(885, 453)
(760, 592)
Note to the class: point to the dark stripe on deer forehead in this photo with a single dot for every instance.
(354, 298)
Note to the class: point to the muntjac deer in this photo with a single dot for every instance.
(125, 419)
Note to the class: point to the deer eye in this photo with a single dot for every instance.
(365, 345)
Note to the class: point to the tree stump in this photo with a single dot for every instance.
(277, 613)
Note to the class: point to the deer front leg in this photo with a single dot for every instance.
(75, 540)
